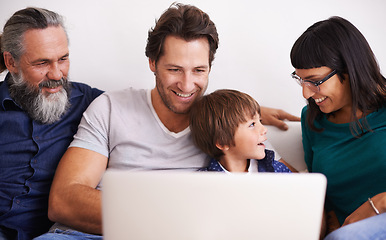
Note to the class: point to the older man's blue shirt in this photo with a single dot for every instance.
(29, 154)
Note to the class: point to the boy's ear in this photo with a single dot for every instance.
(222, 147)
(10, 62)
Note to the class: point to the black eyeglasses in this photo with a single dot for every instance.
(312, 85)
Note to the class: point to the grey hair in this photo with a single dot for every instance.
(23, 20)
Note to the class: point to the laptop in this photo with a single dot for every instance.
(212, 205)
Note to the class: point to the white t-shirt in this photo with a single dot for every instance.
(124, 127)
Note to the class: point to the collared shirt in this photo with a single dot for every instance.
(267, 164)
(29, 154)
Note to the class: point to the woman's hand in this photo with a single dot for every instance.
(366, 210)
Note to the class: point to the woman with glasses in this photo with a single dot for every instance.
(344, 125)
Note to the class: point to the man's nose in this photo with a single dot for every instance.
(54, 72)
(186, 84)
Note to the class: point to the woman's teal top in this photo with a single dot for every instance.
(355, 167)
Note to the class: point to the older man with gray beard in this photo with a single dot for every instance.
(44, 108)
(39, 114)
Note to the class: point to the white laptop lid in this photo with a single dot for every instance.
(208, 205)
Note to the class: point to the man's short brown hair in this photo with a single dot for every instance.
(183, 21)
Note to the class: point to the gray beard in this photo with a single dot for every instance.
(43, 108)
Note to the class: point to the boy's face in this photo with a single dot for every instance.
(248, 139)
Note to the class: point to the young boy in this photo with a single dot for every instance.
(226, 125)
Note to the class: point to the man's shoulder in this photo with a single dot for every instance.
(84, 90)
(84, 87)
(128, 92)
(132, 95)
(124, 99)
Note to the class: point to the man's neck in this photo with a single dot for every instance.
(174, 122)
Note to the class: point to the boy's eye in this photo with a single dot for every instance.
(252, 124)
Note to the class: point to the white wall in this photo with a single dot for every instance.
(108, 38)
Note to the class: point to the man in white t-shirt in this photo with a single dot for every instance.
(140, 129)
